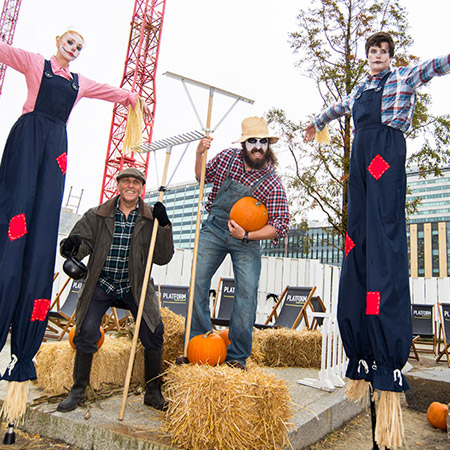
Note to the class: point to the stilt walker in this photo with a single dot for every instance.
(374, 311)
(32, 176)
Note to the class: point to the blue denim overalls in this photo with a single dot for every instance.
(374, 305)
(214, 244)
(32, 176)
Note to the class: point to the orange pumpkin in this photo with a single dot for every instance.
(207, 348)
(99, 342)
(437, 415)
(249, 213)
(224, 335)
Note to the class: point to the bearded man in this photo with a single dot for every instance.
(237, 173)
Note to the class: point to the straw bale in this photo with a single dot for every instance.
(226, 408)
(173, 336)
(109, 366)
(282, 347)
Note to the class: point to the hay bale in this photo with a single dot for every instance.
(109, 366)
(173, 336)
(281, 347)
(226, 408)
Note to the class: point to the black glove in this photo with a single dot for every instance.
(159, 212)
(70, 245)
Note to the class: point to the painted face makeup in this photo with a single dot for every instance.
(258, 144)
(70, 46)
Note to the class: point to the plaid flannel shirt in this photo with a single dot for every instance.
(399, 96)
(270, 192)
(114, 275)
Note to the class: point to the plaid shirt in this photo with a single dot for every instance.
(399, 96)
(114, 274)
(270, 191)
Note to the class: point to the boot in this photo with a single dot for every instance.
(81, 372)
(153, 396)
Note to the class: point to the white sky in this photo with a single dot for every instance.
(237, 45)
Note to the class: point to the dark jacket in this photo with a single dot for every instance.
(96, 229)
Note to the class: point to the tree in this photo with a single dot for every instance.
(329, 44)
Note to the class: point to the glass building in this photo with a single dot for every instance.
(181, 202)
(428, 229)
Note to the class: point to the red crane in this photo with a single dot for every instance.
(8, 21)
(139, 75)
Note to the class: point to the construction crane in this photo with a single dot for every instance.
(139, 76)
(8, 21)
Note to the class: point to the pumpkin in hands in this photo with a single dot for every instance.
(207, 348)
(249, 213)
(437, 415)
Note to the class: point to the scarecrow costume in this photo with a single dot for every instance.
(374, 311)
(32, 176)
(231, 182)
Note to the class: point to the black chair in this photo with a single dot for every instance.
(444, 331)
(423, 329)
(316, 306)
(174, 298)
(223, 303)
(61, 320)
(290, 308)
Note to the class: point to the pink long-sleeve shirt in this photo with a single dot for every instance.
(32, 66)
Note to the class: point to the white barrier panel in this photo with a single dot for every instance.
(334, 361)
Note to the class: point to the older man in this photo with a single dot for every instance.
(117, 236)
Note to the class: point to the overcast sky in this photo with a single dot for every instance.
(237, 45)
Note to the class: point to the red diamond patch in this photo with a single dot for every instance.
(40, 309)
(377, 167)
(349, 244)
(17, 227)
(373, 303)
(62, 162)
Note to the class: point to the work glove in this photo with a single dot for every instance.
(159, 212)
(70, 245)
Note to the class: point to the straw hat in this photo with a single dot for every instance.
(255, 127)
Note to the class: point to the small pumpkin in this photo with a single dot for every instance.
(249, 213)
(99, 342)
(207, 348)
(224, 335)
(437, 415)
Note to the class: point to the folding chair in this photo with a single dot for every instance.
(225, 291)
(423, 329)
(63, 318)
(444, 331)
(293, 303)
(174, 297)
(316, 305)
(114, 319)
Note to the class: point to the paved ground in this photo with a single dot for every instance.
(323, 415)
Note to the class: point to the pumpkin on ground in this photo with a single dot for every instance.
(207, 348)
(224, 335)
(437, 415)
(249, 213)
(99, 342)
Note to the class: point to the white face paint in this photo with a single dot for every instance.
(257, 144)
(70, 46)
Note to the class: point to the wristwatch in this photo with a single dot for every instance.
(245, 238)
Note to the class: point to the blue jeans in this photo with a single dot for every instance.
(214, 244)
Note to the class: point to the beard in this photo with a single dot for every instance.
(252, 163)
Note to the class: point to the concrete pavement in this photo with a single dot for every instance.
(97, 427)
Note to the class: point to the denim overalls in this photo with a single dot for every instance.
(374, 305)
(32, 176)
(214, 244)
